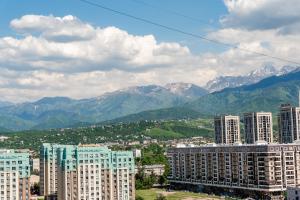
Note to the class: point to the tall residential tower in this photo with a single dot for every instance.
(289, 123)
(227, 129)
(258, 127)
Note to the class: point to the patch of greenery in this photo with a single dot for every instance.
(124, 132)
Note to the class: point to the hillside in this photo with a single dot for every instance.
(125, 132)
(160, 114)
(266, 95)
(61, 112)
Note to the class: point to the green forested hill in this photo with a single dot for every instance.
(125, 132)
(267, 95)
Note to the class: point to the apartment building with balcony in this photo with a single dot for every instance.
(14, 174)
(263, 171)
(90, 172)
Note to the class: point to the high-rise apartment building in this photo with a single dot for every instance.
(49, 169)
(289, 123)
(14, 174)
(88, 172)
(227, 129)
(258, 127)
(262, 171)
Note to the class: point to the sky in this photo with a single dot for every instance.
(70, 48)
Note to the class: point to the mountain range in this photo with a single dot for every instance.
(57, 112)
(153, 102)
(254, 76)
(266, 95)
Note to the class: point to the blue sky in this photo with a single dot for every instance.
(69, 48)
(207, 11)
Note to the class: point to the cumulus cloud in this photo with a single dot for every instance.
(262, 14)
(64, 56)
(66, 44)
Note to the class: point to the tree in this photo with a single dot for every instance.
(139, 198)
(35, 189)
(161, 197)
(162, 180)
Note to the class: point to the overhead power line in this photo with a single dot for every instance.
(173, 12)
(185, 32)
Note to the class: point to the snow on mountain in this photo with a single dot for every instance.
(188, 90)
(254, 76)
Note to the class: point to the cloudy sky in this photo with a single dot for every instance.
(68, 48)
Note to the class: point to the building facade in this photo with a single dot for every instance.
(14, 174)
(289, 123)
(157, 170)
(93, 172)
(258, 127)
(227, 129)
(266, 169)
(49, 169)
(293, 193)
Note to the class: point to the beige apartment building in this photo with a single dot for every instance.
(262, 171)
(258, 127)
(227, 129)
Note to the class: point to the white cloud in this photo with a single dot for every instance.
(261, 14)
(69, 45)
(64, 56)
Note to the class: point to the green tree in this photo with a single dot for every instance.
(162, 180)
(35, 189)
(139, 198)
(161, 197)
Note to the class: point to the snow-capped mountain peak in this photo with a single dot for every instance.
(267, 70)
(178, 88)
(254, 76)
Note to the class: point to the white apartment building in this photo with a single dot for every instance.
(227, 129)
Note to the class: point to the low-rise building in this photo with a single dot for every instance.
(137, 153)
(3, 138)
(35, 165)
(157, 170)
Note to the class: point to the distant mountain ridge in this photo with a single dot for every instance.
(154, 102)
(58, 112)
(266, 95)
(255, 76)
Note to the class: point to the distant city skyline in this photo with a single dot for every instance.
(68, 48)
